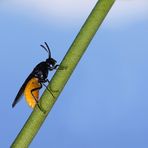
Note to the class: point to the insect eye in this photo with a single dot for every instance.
(52, 62)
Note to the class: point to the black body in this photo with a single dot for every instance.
(40, 72)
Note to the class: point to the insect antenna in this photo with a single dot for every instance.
(47, 49)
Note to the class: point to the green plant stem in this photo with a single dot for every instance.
(60, 78)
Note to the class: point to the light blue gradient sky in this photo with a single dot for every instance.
(105, 102)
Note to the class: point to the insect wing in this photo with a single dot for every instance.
(20, 92)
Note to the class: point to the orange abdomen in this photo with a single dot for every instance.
(32, 84)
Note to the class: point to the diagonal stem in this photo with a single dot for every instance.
(61, 77)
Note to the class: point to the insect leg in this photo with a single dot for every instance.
(49, 89)
(58, 66)
(35, 89)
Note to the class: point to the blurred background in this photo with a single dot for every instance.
(105, 102)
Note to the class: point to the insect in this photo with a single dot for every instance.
(36, 80)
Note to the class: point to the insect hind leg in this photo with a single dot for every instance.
(49, 89)
(35, 89)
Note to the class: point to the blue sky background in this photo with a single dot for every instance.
(105, 102)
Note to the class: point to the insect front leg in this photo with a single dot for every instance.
(59, 67)
(62, 67)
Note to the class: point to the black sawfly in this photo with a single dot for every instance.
(36, 80)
